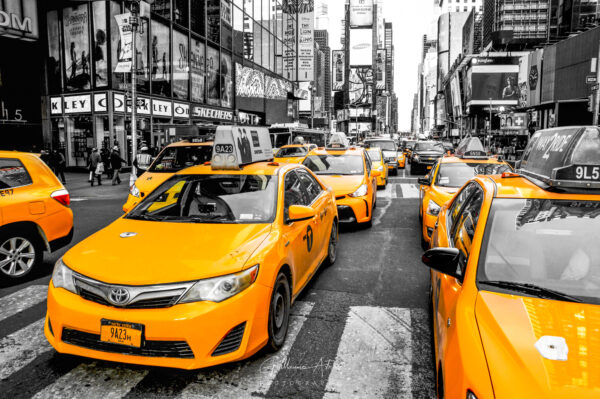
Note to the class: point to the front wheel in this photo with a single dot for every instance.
(19, 254)
(279, 313)
(333, 241)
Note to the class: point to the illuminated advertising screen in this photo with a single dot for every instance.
(493, 80)
(361, 13)
(339, 67)
(361, 47)
(361, 86)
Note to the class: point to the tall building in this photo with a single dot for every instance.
(459, 5)
(576, 15)
(322, 39)
(508, 22)
(389, 61)
(321, 15)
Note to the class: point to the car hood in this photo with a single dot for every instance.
(148, 181)
(164, 252)
(441, 195)
(510, 326)
(290, 159)
(428, 153)
(342, 184)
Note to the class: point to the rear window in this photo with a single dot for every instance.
(13, 173)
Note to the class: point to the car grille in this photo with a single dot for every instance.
(176, 349)
(346, 214)
(339, 197)
(140, 297)
(232, 341)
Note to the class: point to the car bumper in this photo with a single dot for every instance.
(428, 225)
(202, 326)
(401, 163)
(392, 165)
(381, 180)
(353, 210)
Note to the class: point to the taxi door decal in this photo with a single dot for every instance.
(309, 238)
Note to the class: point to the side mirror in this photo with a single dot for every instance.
(375, 173)
(423, 181)
(298, 213)
(443, 260)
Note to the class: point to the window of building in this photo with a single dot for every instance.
(197, 68)
(180, 65)
(180, 12)
(77, 47)
(160, 59)
(226, 77)
(213, 20)
(162, 8)
(197, 15)
(212, 69)
(100, 56)
(53, 62)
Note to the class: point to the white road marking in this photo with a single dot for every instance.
(78, 199)
(94, 381)
(249, 378)
(409, 190)
(21, 300)
(389, 192)
(21, 347)
(374, 358)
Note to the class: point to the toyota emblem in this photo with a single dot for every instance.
(119, 296)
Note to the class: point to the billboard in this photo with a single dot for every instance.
(361, 47)
(380, 69)
(361, 86)
(304, 105)
(456, 96)
(361, 13)
(249, 82)
(493, 81)
(306, 38)
(339, 68)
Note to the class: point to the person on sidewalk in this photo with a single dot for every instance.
(116, 162)
(142, 161)
(58, 165)
(95, 167)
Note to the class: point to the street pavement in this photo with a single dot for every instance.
(360, 329)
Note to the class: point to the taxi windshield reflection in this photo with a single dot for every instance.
(335, 164)
(173, 159)
(291, 152)
(457, 174)
(549, 243)
(211, 199)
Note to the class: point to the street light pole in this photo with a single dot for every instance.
(312, 106)
(134, 25)
(490, 131)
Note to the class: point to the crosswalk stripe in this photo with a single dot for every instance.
(94, 381)
(22, 347)
(250, 378)
(389, 192)
(374, 358)
(21, 300)
(409, 190)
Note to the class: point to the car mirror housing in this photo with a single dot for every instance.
(375, 173)
(423, 181)
(443, 260)
(298, 213)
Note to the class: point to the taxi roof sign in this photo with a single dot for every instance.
(471, 148)
(235, 146)
(338, 140)
(565, 157)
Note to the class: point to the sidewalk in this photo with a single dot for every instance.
(78, 186)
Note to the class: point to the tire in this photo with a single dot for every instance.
(424, 244)
(440, 383)
(279, 313)
(20, 253)
(332, 245)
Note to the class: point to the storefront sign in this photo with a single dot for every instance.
(18, 19)
(162, 108)
(247, 118)
(77, 104)
(211, 113)
(143, 104)
(181, 110)
(55, 105)
(100, 102)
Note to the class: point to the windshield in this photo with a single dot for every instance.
(457, 174)
(211, 199)
(335, 164)
(375, 155)
(409, 144)
(429, 147)
(291, 152)
(173, 159)
(549, 243)
(383, 144)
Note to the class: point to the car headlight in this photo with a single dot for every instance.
(62, 277)
(471, 395)
(134, 191)
(433, 208)
(380, 168)
(416, 157)
(220, 288)
(362, 191)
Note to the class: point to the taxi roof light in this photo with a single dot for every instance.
(565, 158)
(470, 148)
(236, 146)
(338, 141)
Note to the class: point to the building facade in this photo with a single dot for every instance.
(459, 5)
(322, 39)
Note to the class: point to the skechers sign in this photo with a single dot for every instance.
(18, 19)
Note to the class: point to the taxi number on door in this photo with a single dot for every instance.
(117, 332)
(224, 148)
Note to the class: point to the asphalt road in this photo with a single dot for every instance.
(360, 329)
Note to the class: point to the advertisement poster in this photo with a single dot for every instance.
(180, 65)
(456, 96)
(339, 67)
(125, 44)
(212, 69)
(361, 86)
(361, 47)
(306, 37)
(226, 81)
(491, 80)
(197, 65)
(380, 69)
(77, 47)
(289, 39)
(53, 61)
(361, 13)
(160, 59)
(523, 81)
(249, 82)
(100, 36)
(275, 89)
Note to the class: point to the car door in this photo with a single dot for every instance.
(320, 202)
(299, 235)
(448, 289)
(18, 200)
(371, 181)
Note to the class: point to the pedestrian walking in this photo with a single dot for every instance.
(46, 157)
(116, 162)
(95, 167)
(58, 165)
(142, 161)
(105, 155)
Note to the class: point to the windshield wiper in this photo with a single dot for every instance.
(532, 289)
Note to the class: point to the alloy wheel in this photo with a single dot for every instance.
(17, 256)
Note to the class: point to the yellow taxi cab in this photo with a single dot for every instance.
(293, 153)
(448, 175)
(515, 276)
(169, 161)
(208, 278)
(376, 156)
(349, 171)
(34, 214)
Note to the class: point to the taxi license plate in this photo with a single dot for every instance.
(428, 167)
(122, 333)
